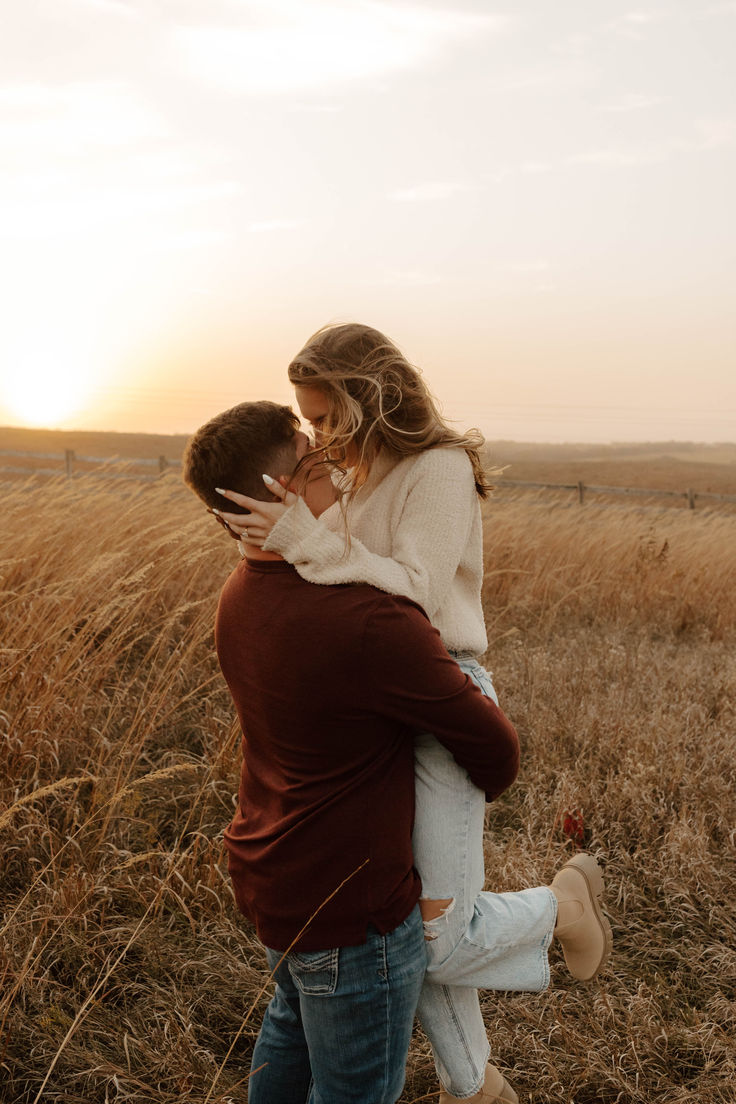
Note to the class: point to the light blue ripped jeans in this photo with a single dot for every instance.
(483, 940)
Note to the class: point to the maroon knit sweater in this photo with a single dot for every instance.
(330, 684)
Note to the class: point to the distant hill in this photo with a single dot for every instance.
(523, 451)
(144, 446)
(665, 465)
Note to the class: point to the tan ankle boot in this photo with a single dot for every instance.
(582, 929)
(495, 1087)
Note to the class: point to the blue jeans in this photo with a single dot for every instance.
(483, 940)
(337, 1030)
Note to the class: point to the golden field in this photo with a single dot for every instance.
(128, 975)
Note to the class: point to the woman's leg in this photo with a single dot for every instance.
(487, 940)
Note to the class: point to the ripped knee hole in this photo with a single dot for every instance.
(433, 913)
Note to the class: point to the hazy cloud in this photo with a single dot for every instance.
(575, 44)
(69, 205)
(727, 8)
(291, 45)
(535, 168)
(640, 18)
(573, 70)
(72, 117)
(88, 154)
(194, 239)
(635, 24)
(412, 278)
(525, 168)
(710, 134)
(73, 195)
(536, 266)
(621, 158)
(317, 108)
(714, 133)
(107, 7)
(431, 190)
(633, 101)
(268, 225)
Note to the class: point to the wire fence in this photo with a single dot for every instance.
(72, 466)
(582, 490)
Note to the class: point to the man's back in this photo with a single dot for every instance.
(330, 683)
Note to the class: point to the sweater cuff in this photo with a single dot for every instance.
(290, 530)
(300, 537)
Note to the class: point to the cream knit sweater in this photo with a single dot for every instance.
(415, 529)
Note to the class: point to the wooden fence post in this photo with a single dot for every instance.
(163, 464)
(691, 498)
(581, 492)
(69, 461)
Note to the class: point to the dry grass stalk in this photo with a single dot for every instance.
(42, 791)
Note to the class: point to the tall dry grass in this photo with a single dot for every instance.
(127, 973)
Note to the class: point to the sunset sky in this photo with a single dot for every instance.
(535, 200)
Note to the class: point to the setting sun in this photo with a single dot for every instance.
(51, 380)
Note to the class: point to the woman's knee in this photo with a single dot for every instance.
(435, 913)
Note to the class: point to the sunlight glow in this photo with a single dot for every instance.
(533, 200)
(49, 378)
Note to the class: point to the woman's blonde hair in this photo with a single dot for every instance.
(377, 401)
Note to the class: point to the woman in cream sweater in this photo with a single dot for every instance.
(407, 520)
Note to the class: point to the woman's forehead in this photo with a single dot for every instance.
(312, 401)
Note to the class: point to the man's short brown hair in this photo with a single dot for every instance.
(234, 449)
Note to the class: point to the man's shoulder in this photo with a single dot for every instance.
(364, 606)
(356, 602)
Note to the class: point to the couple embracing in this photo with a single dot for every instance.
(372, 738)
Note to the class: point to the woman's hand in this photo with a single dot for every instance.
(255, 526)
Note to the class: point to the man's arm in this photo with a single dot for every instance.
(408, 675)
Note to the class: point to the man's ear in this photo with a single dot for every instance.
(218, 517)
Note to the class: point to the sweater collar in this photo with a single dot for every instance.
(381, 466)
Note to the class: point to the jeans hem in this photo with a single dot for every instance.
(479, 1086)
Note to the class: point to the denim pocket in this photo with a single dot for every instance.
(314, 972)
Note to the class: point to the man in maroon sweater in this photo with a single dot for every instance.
(330, 684)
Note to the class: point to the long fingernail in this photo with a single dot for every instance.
(268, 480)
(215, 511)
(220, 490)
